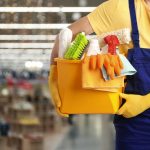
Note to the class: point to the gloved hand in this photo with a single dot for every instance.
(93, 62)
(134, 105)
(52, 81)
(109, 65)
(112, 64)
(110, 60)
(116, 63)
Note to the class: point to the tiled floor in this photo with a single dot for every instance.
(53, 140)
(89, 133)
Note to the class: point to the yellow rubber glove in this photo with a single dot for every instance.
(52, 82)
(112, 64)
(116, 63)
(134, 105)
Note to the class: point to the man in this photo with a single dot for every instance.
(133, 120)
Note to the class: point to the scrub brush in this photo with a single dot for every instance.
(77, 47)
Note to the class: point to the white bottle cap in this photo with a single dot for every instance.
(94, 41)
(94, 48)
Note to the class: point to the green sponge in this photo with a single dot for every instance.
(77, 47)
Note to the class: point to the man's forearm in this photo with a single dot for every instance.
(82, 25)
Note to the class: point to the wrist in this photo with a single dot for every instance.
(147, 100)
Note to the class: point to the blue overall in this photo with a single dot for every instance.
(134, 133)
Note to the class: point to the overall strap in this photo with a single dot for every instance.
(135, 31)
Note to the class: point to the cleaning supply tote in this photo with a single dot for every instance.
(74, 76)
(77, 100)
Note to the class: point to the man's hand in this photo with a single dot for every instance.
(134, 105)
(54, 89)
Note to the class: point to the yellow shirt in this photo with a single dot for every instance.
(113, 15)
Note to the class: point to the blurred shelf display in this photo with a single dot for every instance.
(48, 3)
(33, 142)
(3, 143)
(26, 119)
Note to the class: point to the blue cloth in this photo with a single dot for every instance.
(134, 133)
(128, 68)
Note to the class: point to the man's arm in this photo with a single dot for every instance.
(82, 25)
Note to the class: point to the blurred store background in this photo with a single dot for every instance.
(27, 117)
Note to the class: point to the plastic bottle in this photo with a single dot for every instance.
(94, 47)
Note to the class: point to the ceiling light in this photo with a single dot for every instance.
(26, 45)
(47, 9)
(33, 65)
(76, 16)
(33, 26)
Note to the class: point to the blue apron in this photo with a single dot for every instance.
(134, 133)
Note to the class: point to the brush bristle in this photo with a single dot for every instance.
(77, 47)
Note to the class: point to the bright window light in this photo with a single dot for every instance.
(46, 9)
(33, 65)
(33, 26)
(28, 37)
(26, 45)
(31, 37)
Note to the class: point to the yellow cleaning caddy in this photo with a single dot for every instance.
(77, 100)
